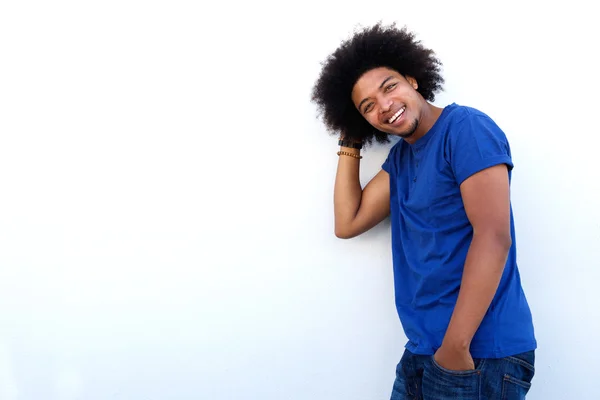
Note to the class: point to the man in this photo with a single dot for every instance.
(446, 187)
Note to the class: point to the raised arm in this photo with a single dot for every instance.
(357, 210)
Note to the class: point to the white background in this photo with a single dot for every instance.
(166, 225)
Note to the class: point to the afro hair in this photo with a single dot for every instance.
(377, 46)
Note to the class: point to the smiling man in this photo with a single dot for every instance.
(446, 187)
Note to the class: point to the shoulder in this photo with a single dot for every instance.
(470, 121)
(460, 115)
(474, 142)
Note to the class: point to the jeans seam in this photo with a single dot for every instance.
(508, 378)
(521, 362)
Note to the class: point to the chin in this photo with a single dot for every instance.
(405, 135)
(410, 131)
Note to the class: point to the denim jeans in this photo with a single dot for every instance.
(421, 378)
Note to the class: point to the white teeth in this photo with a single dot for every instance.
(396, 116)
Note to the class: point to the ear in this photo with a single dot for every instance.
(412, 81)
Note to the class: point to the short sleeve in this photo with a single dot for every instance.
(477, 143)
(389, 165)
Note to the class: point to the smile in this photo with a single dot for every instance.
(396, 116)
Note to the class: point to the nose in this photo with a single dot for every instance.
(385, 104)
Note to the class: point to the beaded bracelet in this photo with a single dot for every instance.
(347, 153)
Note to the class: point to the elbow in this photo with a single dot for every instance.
(503, 240)
(343, 233)
(508, 243)
(500, 238)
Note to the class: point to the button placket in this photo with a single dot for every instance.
(416, 165)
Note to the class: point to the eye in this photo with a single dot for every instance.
(390, 87)
(368, 108)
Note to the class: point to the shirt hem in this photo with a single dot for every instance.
(479, 352)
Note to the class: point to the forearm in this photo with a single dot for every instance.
(482, 273)
(347, 192)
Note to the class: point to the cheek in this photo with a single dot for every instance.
(372, 119)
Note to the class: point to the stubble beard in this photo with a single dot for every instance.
(411, 130)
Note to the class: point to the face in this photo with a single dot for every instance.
(389, 101)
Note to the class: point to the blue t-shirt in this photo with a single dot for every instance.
(431, 235)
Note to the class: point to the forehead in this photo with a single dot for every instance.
(370, 81)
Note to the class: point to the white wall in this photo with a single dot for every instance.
(166, 196)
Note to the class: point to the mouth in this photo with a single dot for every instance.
(397, 116)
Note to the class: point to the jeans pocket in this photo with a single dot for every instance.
(518, 376)
(514, 389)
(478, 364)
(442, 383)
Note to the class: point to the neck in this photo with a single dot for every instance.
(430, 114)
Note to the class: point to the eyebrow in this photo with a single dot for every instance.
(380, 86)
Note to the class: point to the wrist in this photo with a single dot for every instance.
(350, 150)
(349, 143)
